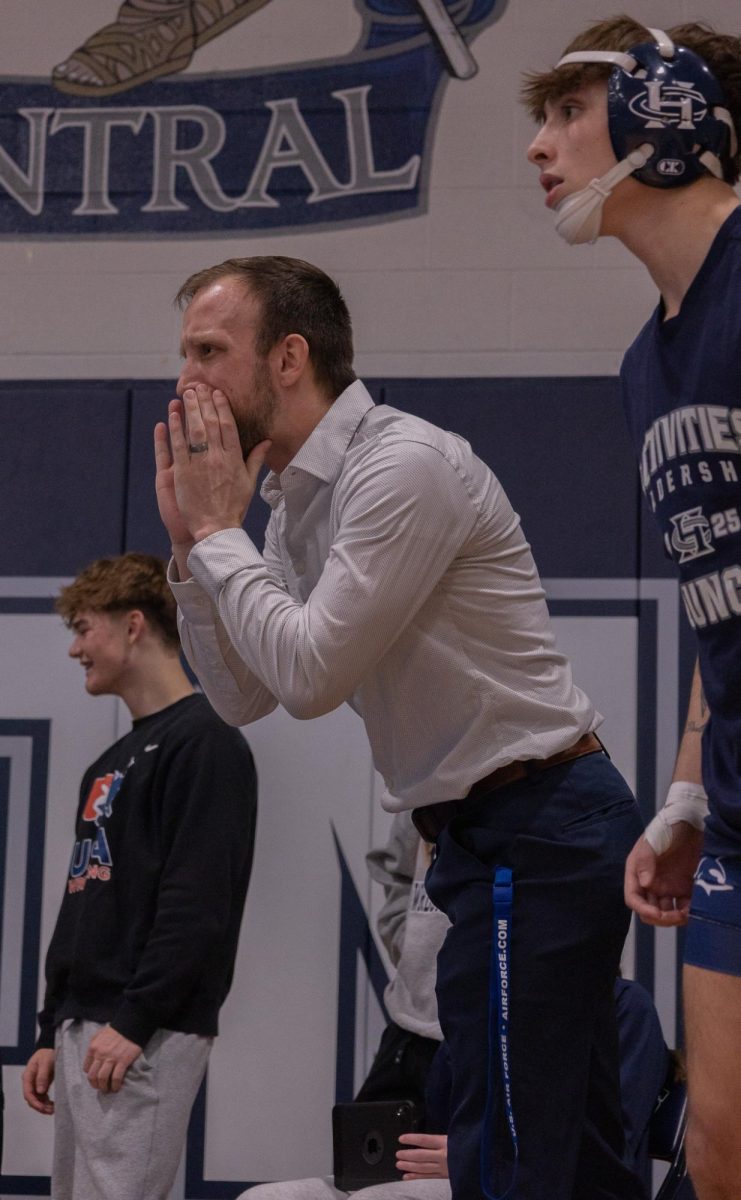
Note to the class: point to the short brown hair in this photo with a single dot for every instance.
(116, 585)
(295, 297)
(721, 52)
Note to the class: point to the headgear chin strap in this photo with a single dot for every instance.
(663, 104)
(579, 216)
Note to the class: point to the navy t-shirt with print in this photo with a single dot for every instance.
(681, 382)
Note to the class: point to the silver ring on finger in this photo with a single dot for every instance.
(197, 447)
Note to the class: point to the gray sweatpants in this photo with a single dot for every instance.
(124, 1145)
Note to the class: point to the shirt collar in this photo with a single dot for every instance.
(324, 450)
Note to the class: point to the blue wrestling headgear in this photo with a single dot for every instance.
(668, 125)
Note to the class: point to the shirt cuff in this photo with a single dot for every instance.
(219, 556)
(133, 1022)
(45, 1040)
(190, 598)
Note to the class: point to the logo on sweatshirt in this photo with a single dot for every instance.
(91, 857)
(99, 804)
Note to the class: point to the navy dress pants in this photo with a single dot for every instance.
(565, 833)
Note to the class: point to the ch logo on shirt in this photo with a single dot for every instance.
(99, 804)
(676, 104)
(691, 537)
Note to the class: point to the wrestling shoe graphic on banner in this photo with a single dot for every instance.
(150, 38)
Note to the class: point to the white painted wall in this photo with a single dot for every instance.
(478, 285)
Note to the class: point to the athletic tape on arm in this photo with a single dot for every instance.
(684, 802)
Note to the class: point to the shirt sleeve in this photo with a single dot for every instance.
(236, 693)
(47, 1019)
(57, 958)
(402, 517)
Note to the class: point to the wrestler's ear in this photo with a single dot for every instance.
(135, 624)
(291, 359)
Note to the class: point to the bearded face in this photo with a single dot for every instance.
(254, 409)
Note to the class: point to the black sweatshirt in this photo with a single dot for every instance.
(147, 933)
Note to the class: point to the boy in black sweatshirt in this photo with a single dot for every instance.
(143, 952)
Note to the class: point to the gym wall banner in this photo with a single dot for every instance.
(116, 143)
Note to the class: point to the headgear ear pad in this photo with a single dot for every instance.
(672, 103)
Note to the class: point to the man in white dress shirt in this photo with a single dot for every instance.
(395, 576)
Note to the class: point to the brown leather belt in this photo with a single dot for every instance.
(431, 819)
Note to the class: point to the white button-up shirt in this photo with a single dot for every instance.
(395, 576)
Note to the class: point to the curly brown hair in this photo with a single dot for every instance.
(721, 52)
(119, 584)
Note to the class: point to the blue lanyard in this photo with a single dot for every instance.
(499, 1006)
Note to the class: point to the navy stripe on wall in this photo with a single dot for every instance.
(80, 483)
